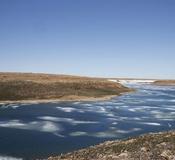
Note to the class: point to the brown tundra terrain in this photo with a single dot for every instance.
(30, 86)
(165, 82)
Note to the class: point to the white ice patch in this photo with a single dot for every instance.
(151, 123)
(158, 88)
(107, 134)
(112, 80)
(66, 109)
(12, 124)
(70, 109)
(44, 126)
(123, 118)
(78, 133)
(119, 103)
(149, 107)
(87, 104)
(137, 118)
(49, 127)
(110, 115)
(9, 106)
(114, 123)
(137, 109)
(14, 107)
(169, 108)
(9, 158)
(101, 110)
(76, 103)
(162, 115)
(136, 81)
(132, 110)
(67, 120)
(113, 133)
(127, 131)
(157, 100)
(125, 106)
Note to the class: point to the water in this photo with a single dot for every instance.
(29, 131)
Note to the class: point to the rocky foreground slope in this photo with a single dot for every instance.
(160, 146)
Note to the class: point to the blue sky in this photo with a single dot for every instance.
(107, 38)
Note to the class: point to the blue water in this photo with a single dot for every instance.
(30, 131)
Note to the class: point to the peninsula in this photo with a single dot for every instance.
(49, 87)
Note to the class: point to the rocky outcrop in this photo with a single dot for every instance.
(160, 146)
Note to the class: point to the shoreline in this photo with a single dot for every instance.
(71, 98)
(77, 99)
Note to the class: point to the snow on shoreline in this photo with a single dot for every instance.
(132, 81)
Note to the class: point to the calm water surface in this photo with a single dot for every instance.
(41, 130)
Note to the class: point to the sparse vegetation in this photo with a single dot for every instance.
(160, 146)
(28, 86)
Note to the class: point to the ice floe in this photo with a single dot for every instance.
(66, 120)
(43, 126)
(9, 158)
(151, 123)
(66, 109)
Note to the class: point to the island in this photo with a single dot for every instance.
(33, 87)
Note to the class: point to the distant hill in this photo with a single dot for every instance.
(32, 86)
(164, 82)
